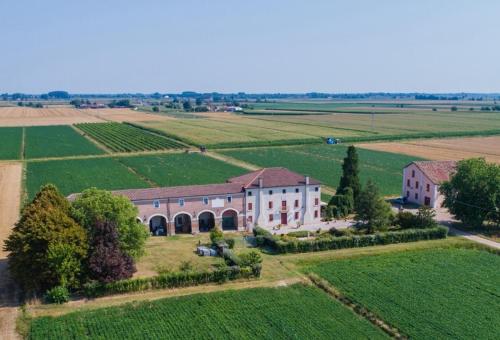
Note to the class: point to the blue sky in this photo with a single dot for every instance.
(252, 46)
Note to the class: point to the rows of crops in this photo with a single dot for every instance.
(324, 162)
(126, 138)
(74, 175)
(431, 294)
(296, 312)
(10, 142)
(57, 141)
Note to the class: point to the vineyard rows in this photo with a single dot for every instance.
(125, 138)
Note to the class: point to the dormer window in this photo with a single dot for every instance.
(181, 202)
(156, 203)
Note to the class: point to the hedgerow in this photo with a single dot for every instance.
(170, 280)
(278, 245)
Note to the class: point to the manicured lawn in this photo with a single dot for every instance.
(57, 141)
(428, 294)
(75, 175)
(295, 312)
(10, 142)
(324, 163)
(182, 169)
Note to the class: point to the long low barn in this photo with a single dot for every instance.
(268, 197)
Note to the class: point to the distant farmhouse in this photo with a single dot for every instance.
(268, 197)
(421, 180)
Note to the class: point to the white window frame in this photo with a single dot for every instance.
(229, 199)
(181, 202)
(156, 204)
(205, 200)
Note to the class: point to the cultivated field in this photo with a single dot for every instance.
(126, 138)
(27, 116)
(295, 312)
(431, 294)
(75, 175)
(443, 149)
(324, 162)
(56, 141)
(181, 169)
(10, 142)
(123, 115)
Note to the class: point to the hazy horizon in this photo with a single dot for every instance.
(257, 47)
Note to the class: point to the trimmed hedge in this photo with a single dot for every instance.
(170, 280)
(264, 238)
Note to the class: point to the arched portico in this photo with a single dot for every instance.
(182, 223)
(206, 220)
(158, 225)
(230, 219)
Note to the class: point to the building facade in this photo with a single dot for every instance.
(268, 197)
(421, 180)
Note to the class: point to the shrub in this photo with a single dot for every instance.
(230, 242)
(250, 259)
(230, 257)
(58, 294)
(216, 235)
(318, 244)
(405, 220)
(299, 233)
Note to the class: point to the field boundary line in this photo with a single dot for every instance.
(106, 155)
(23, 141)
(144, 178)
(355, 307)
(95, 142)
(232, 161)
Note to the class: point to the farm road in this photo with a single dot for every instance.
(10, 198)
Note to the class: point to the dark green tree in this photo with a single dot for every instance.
(350, 174)
(37, 260)
(372, 210)
(472, 194)
(186, 105)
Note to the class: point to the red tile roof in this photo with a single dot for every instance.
(272, 177)
(437, 171)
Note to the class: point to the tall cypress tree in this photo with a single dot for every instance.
(350, 174)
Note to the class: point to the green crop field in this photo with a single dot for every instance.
(295, 312)
(56, 141)
(75, 175)
(10, 142)
(182, 169)
(120, 137)
(431, 294)
(324, 162)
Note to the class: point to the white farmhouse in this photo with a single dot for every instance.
(421, 180)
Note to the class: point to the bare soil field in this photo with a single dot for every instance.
(10, 197)
(124, 115)
(26, 116)
(443, 149)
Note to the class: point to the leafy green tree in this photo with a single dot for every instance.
(94, 205)
(350, 174)
(472, 194)
(198, 101)
(425, 218)
(371, 209)
(156, 109)
(44, 225)
(342, 205)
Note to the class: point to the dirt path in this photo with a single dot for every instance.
(10, 198)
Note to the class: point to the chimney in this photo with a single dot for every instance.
(307, 180)
(261, 182)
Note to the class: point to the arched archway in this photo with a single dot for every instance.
(230, 220)
(182, 223)
(158, 225)
(139, 220)
(206, 221)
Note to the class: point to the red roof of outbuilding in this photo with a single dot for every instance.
(437, 171)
